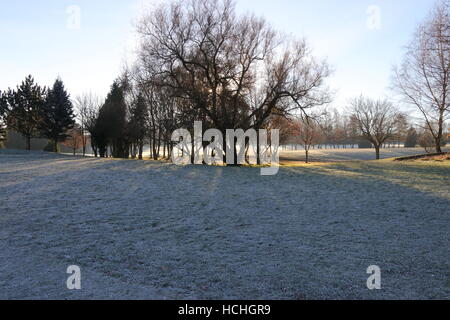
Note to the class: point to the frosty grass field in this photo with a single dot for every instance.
(152, 230)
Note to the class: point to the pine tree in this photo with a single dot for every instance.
(111, 126)
(57, 116)
(3, 105)
(25, 109)
(3, 112)
(138, 124)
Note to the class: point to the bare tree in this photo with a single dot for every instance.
(308, 132)
(376, 120)
(74, 139)
(424, 77)
(87, 106)
(285, 125)
(426, 140)
(231, 71)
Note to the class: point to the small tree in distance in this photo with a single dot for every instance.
(411, 138)
(87, 106)
(376, 120)
(74, 139)
(308, 132)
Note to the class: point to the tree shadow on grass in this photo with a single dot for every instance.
(221, 233)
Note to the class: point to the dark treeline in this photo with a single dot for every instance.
(199, 61)
(132, 116)
(35, 111)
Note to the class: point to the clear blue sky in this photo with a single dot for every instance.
(362, 49)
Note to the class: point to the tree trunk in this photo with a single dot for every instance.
(155, 154)
(258, 150)
(84, 140)
(159, 142)
(235, 160)
(28, 143)
(141, 150)
(151, 149)
(55, 146)
(94, 149)
(377, 150)
(438, 147)
(440, 134)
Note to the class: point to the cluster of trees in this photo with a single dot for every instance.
(36, 111)
(131, 117)
(334, 129)
(367, 123)
(423, 81)
(198, 60)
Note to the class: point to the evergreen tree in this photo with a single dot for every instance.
(111, 126)
(99, 135)
(138, 124)
(25, 109)
(3, 105)
(3, 112)
(411, 138)
(57, 116)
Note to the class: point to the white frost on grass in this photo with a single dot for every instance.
(350, 154)
(151, 230)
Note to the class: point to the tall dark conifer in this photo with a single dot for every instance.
(3, 112)
(3, 104)
(138, 123)
(111, 126)
(25, 109)
(57, 116)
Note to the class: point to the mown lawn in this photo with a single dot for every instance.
(152, 230)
